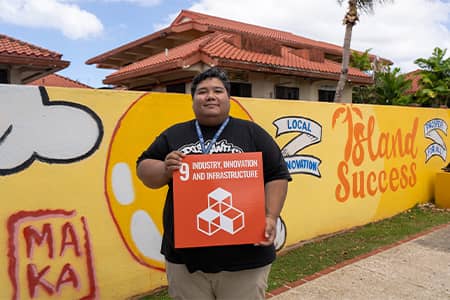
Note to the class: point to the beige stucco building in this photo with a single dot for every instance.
(261, 62)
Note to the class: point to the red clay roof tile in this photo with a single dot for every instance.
(215, 45)
(415, 77)
(59, 81)
(203, 22)
(222, 45)
(222, 24)
(12, 46)
(173, 55)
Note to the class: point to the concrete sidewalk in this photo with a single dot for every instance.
(417, 268)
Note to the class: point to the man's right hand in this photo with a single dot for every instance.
(172, 162)
(156, 173)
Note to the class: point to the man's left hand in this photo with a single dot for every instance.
(270, 231)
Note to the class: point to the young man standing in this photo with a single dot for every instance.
(218, 272)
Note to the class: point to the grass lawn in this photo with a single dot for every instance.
(320, 254)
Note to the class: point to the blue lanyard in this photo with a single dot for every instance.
(213, 141)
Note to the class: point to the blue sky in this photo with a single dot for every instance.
(81, 29)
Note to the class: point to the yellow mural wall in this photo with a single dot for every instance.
(78, 224)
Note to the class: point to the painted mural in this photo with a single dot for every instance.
(78, 223)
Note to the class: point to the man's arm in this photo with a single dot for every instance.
(275, 193)
(157, 173)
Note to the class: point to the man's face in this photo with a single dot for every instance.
(211, 103)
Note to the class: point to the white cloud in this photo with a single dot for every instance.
(400, 31)
(72, 21)
(168, 20)
(138, 2)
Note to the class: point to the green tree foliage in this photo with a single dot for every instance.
(362, 94)
(389, 89)
(350, 19)
(391, 86)
(361, 60)
(435, 79)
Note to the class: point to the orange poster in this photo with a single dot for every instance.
(219, 200)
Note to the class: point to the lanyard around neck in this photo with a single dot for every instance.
(214, 139)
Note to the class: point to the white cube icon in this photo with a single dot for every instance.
(232, 220)
(208, 221)
(220, 200)
(220, 214)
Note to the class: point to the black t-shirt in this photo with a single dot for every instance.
(237, 137)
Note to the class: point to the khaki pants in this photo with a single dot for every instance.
(240, 285)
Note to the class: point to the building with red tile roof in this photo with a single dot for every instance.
(261, 62)
(59, 81)
(22, 62)
(415, 77)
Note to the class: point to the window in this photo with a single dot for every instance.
(4, 76)
(241, 89)
(176, 88)
(326, 95)
(283, 92)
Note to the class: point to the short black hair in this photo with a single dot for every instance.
(213, 72)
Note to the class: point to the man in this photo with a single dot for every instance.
(219, 272)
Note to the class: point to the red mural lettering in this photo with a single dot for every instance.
(67, 275)
(393, 182)
(69, 238)
(404, 176)
(343, 189)
(36, 278)
(372, 183)
(371, 179)
(357, 153)
(358, 185)
(413, 178)
(361, 140)
(52, 278)
(32, 236)
(382, 181)
(364, 145)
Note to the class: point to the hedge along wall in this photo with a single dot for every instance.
(78, 224)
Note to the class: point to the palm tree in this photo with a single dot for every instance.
(362, 94)
(391, 86)
(361, 61)
(350, 19)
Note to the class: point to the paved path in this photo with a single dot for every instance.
(418, 268)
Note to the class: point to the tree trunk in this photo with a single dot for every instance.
(345, 62)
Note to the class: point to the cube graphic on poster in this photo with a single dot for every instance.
(232, 220)
(220, 214)
(208, 221)
(219, 200)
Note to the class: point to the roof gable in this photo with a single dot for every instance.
(12, 46)
(191, 25)
(221, 48)
(199, 38)
(59, 81)
(34, 61)
(173, 58)
(222, 24)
